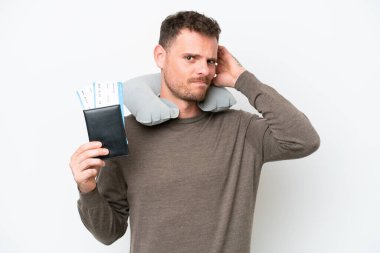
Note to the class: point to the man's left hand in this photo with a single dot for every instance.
(228, 69)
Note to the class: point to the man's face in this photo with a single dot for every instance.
(189, 65)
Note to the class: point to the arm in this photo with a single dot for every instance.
(285, 131)
(288, 134)
(103, 205)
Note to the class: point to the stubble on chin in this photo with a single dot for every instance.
(183, 90)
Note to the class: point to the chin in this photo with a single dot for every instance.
(200, 97)
(195, 97)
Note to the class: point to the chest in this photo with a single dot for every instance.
(166, 168)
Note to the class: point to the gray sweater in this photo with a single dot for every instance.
(189, 185)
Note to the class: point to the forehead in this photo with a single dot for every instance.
(194, 42)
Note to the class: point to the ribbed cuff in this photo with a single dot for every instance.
(90, 199)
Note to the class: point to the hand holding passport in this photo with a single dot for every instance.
(103, 110)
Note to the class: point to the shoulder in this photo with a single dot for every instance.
(234, 114)
(243, 119)
(130, 118)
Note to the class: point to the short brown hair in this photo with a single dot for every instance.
(191, 20)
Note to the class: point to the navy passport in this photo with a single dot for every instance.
(105, 124)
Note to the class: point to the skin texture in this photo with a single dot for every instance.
(189, 66)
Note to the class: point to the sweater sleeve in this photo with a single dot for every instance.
(285, 132)
(105, 210)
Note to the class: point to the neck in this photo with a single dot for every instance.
(187, 109)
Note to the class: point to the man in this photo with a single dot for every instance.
(189, 184)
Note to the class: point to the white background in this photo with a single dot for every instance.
(321, 55)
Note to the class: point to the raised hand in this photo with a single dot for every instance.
(228, 69)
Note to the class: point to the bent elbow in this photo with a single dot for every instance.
(312, 144)
(108, 235)
(108, 240)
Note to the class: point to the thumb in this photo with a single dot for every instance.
(223, 80)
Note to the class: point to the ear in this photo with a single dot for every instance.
(159, 56)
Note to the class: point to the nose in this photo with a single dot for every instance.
(203, 68)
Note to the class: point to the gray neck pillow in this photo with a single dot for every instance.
(141, 97)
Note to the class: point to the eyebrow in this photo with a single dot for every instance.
(197, 56)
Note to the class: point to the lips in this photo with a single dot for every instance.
(200, 84)
(204, 80)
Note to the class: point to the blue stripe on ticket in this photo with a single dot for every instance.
(80, 100)
(121, 98)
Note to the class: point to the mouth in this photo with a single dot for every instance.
(201, 81)
(200, 84)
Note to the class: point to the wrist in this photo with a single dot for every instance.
(237, 75)
(85, 189)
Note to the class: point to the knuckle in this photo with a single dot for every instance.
(91, 162)
(93, 153)
(86, 163)
(77, 178)
(81, 157)
(80, 149)
(94, 172)
(90, 153)
(90, 173)
(83, 147)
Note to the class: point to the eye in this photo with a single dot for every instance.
(212, 62)
(189, 57)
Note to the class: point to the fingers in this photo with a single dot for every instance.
(226, 58)
(90, 154)
(85, 166)
(221, 49)
(86, 175)
(223, 59)
(90, 163)
(83, 157)
(222, 53)
(87, 150)
(87, 146)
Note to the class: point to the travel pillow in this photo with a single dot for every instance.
(141, 97)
